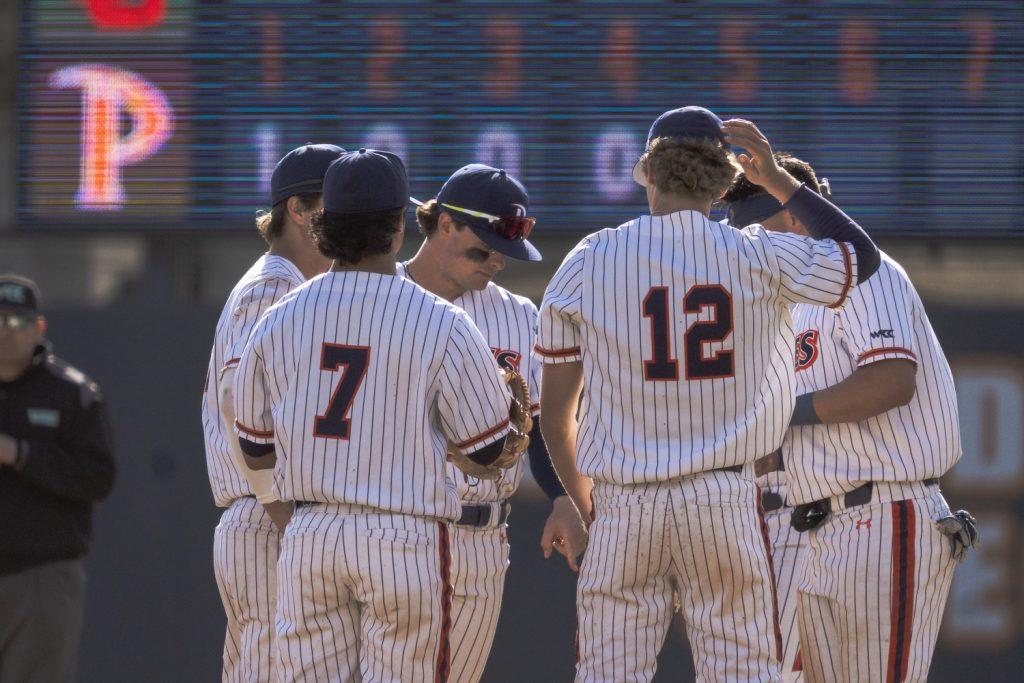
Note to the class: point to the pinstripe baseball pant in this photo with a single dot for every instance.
(363, 595)
(873, 587)
(700, 535)
(245, 547)
(479, 565)
(787, 552)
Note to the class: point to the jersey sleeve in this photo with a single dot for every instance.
(532, 370)
(252, 304)
(877, 322)
(558, 335)
(253, 419)
(819, 272)
(473, 402)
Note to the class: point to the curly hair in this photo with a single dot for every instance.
(350, 237)
(798, 168)
(270, 224)
(691, 166)
(427, 215)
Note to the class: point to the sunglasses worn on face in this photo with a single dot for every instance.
(509, 227)
(15, 321)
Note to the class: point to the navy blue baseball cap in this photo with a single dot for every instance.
(367, 180)
(302, 170)
(685, 122)
(18, 294)
(494, 205)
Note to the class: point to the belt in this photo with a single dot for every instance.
(480, 515)
(811, 515)
(769, 463)
(862, 495)
(732, 468)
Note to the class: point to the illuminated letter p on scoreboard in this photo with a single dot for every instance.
(107, 94)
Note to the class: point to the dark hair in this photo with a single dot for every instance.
(798, 168)
(270, 224)
(427, 215)
(351, 237)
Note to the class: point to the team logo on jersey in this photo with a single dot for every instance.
(806, 349)
(507, 360)
(883, 334)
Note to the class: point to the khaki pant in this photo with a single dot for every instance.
(40, 622)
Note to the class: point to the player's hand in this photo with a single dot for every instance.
(758, 161)
(565, 532)
(280, 512)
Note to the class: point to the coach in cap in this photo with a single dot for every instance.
(55, 462)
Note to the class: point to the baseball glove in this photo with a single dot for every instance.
(516, 441)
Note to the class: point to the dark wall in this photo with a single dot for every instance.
(153, 613)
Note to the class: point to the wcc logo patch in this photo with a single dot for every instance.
(806, 349)
(507, 360)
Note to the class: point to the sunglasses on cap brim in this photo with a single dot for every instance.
(509, 227)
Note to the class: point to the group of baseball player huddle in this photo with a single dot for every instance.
(741, 420)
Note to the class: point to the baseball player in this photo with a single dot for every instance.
(245, 542)
(348, 392)
(676, 332)
(875, 425)
(479, 219)
(750, 205)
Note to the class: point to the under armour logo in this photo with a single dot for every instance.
(863, 522)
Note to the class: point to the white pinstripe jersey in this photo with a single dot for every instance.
(509, 325)
(884, 318)
(686, 342)
(270, 278)
(356, 378)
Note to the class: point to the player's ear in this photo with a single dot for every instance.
(294, 208)
(41, 326)
(446, 224)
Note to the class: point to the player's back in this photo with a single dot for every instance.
(266, 281)
(686, 345)
(359, 370)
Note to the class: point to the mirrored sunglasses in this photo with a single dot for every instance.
(509, 227)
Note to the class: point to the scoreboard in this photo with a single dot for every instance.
(170, 114)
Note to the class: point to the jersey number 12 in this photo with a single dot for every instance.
(663, 367)
(335, 422)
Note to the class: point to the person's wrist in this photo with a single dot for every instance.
(781, 185)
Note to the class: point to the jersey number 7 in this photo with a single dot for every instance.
(335, 423)
(663, 367)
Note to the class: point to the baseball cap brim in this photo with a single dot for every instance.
(639, 174)
(521, 250)
(18, 309)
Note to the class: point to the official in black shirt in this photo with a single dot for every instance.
(55, 462)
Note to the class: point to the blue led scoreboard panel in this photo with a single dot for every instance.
(169, 114)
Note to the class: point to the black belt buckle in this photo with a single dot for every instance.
(771, 501)
(810, 515)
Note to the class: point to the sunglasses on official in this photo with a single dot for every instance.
(15, 321)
